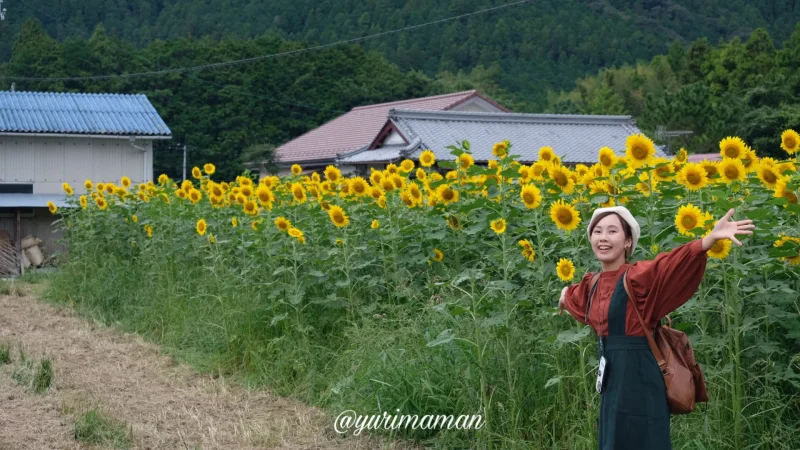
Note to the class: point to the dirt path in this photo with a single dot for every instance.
(162, 404)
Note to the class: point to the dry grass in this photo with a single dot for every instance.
(164, 405)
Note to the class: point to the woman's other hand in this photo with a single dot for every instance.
(728, 229)
(561, 301)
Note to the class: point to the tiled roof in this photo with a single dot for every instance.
(357, 128)
(50, 112)
(577, 138)
(697, 157)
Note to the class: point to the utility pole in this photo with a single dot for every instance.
(184, 162)
(2, 11)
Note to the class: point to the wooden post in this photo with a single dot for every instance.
(18, 238)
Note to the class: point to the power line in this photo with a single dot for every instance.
(265, 57)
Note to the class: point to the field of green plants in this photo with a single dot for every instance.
(431, 287)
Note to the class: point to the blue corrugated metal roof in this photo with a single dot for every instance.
(32, 200)
(51, 112)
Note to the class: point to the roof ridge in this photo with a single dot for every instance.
(413, 100)
(509, 116)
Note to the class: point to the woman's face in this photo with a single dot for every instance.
(608, 239)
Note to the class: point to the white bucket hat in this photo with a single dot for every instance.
(626, 216)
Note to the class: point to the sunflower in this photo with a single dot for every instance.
(382, 201)
(750, 160)
(790, 141)
(782, 190)
(333, 174)
(710, 167)
(110, 188)
(565, 269)
(375, 224)
(606, 157)
(134, 218)
(298, 193)
(52, 207)
(693, 176)
(101, 202)
(338, 216)
(195, 196)
(358, 186)
(234, 222)
(201, 227)
(538, 170)
(162, 179)
(720, 249)
(209, 169)
(688, 218)
(465, 160)
(149, 230)
(196, 172)
(250, 208)
(438, 256)
(561, 176)
(598, 171)
(768, 175)
(427, 158)
(500, 149)
(732, 169)
(406, 198)
(498, 226)
(244, 181)
(531, 196)
(84, 202)
(492, 164)
(546, 154)
(392, 169)
(282, 223)
(295, 232)
(682, 156)
(421, 175)
(647, 183)
(296, 169)
(527, 249)
(732, 147)
(564, 215)
(407, 165)
(415, 192)
(216, 190)
(639, 150)
(793, 260)
(451, 175)
(254, 224)
(447, 194)
(436, 176)
(125, 182)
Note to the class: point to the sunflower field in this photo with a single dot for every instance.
(431, 287)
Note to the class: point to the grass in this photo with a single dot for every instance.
(5, 353)
(34, 375)
(10, 287)
(92, 427)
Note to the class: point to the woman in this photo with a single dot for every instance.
(633, 406)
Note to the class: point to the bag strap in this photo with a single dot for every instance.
(662, 364)
(595, 279)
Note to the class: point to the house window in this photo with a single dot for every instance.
(16, 188)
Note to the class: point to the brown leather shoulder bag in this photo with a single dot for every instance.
(675, 357)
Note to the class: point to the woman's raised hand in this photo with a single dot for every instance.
(728, 229)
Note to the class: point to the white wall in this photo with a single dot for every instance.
(47, 162)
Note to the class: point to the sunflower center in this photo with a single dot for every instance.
(337, 217)
(527, 197)
(639, 152)
(717, 247)
(770, 177)
(565, 270)
(732, 151)
(447, 194)
(605, 160)
(693, 178)
(689, 222)
(564, 216)
(789, 142)
(731, 172)
(560, 179)
(358, 188)
(791, 197)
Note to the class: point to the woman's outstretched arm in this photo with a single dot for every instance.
(668, 281)
(575, 297)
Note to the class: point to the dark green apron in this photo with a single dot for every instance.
(633, 404)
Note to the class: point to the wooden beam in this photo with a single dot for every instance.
(18, 239)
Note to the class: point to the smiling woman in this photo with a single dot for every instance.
(634, 412)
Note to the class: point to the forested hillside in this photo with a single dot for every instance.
(540, 45)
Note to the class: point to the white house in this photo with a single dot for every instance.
(48, 138)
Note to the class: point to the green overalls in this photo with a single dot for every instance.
(633, 403)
